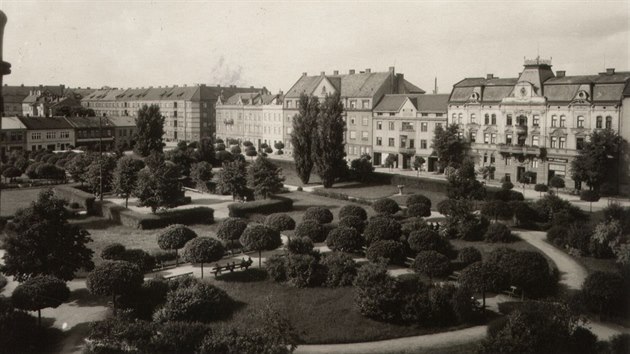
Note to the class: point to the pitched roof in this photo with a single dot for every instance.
(122, 121)
(432, 103)
(43, 123)
(12, 123)
(391, 103)
(88, 122)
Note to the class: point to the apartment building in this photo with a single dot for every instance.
(539, 120)
(90, 131)
(404, 125)
(189, 110)
(13, 135)
(124, 130)
(52, 133)
(360, 93)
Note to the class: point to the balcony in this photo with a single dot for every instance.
(407, 150)
(520, 129)
(518, 149)
(407, 129)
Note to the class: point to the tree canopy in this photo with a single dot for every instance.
(150, 124)
(264, 177)
(599, 159)
(329, 144)
(450, 148)
(302, 137)
(125, 176)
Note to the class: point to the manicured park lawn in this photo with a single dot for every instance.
(320, 315)
(14, 199)
(485, 248)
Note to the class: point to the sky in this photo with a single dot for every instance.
(261, 43)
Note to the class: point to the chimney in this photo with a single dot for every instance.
(368, 70)
(610, 71)
(322, 73)
(489, 76)
(336, 72)
(304, 74)
(89, 88)
(392, 69)
(351, 71)
(399, 82)
(560, 73)
(280, 93)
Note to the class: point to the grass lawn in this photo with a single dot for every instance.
(291, 178)
(320, 315)
(14, 199)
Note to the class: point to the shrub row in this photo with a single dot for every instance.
(130, 218)
(275, 204)
(75, 195)
(336, 195)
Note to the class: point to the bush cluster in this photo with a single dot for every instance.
(117, 252)
(312, 269)
(498, 232)
(311, 229)
(386, 206)
(352, 210)
(382, 228)
(353, 222)
(390, 251)
(345, 239)
(318, 214)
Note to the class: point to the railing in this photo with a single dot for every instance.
(407, 150)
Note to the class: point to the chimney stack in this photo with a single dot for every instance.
(368, 70)
(322, 73)
(610, 71)
(560, 73)
(304, 74)
(490, 76)
(336, 72)
(392, 69)
(351, 71)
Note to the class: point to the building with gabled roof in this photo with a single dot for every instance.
(124, 130)
(360, 92)
(89, 132)
(538, 121)
(51, 133)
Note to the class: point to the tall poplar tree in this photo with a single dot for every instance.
(302, 138)
(150, 123)
(328, 145)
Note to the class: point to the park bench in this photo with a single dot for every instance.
(179, 275)
(454, 276)
(244, 264)
(513, 291)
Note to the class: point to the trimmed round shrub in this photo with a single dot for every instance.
(498, 232)
(418, 199)
(541, 188)
(113, 252)
(141, 258)
(507, 195)
(431, 264)
(353, 222)
(40, 292)
(300, 245)
(304, 270)
(429, 240)
(469, 255)
(418, 210)
(311, 229)
(507, 185)
(352, 210)
(260, 238)
(280, 222)
(276, 267)
(175, 237)
(413, 224)
(341, 269)
(378, 294)
(199, 302)
(530, 271)
(382, 228)
(318, 214)
(386, 206)
(230, 230)
(113, 278)
(345, 239)
(604, 293)
(392, 251)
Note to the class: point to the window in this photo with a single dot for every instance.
(364, 135)
(554, 121)
(459, 118)
(175, 114)
(486, 138)
(392, 126)
(536, 120)
(36, 136)
(473, 137)
(508, 161)
(412, 144)
(486, 119)
(353, 103)
(365, 121)
(563, 143)
(535, 140)
(407, 126)
(493, 138)
(473, 118)
(391, 142)
(554, 142)
(580, 121)
(563, 121)
(508, 139)
(438, 125)
(64, 135)
(175, 123)
(579, 143)
(535, 163)
(485, 158)
(608, 122)
(289, 104)
(598, 122)
(51, 135)
(508, 120)
(423, 144)
(492, 159)
(494, 119)
(424, 126)
(379, 141)
(365, 103)
(352, 120)
(454, 117)
(353, 134)
(379, 125)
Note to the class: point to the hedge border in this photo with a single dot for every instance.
(275, 204)
(130, 218)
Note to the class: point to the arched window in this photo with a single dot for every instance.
(554, 121)
(608, 122)
(454, 117)
(473, 118)
(563, 121)
(494, 119)
(459, 118)
(598, 122)
(486, 119)
(580, 121)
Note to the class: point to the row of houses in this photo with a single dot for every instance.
(64, 133)
(535, 122)
(41, 100)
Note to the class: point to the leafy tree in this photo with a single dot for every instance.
(40, 241)
(251, 152)
(431, 263)
(78, 165)
(40, 292)
(341, 269)
(390, 161)
(303, 136)
(198, 302)
(328, 146)
(280, 222)
(604, 293)
(362, 168)
(11, 172)
(50, 171)
(600, 154)
(300, 245)
(158, 184)
(507, 185)
(205, 151)
(125, 176)
(498, 232)
(449, 147)
(18, 330)
(230, 231)
(233, 179)
(279, 146)
(260, 238)
(386, 206)
(203, 250)
(311, 229)
(175, 237)
(320, 215)
(427, 239)
(590, 197)
(264, 177)
(382, 228)
(114, 278)
(353, 222)
(541, 188)
(418, 161)
(487, 172)
(345, 239)
(605, 237)
(496, 209)
(530, 272)
(378, 295)
(235, 150)
(391, 251)
(150, 124)
(556, 182)
(463, 183)
(182, 157)
(201, 174)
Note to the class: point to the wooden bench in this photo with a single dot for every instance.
(179, 275)
(244, 264)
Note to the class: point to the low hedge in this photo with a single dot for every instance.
(75, 195)
(275, 204)
(130, 218)
(336, 195)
